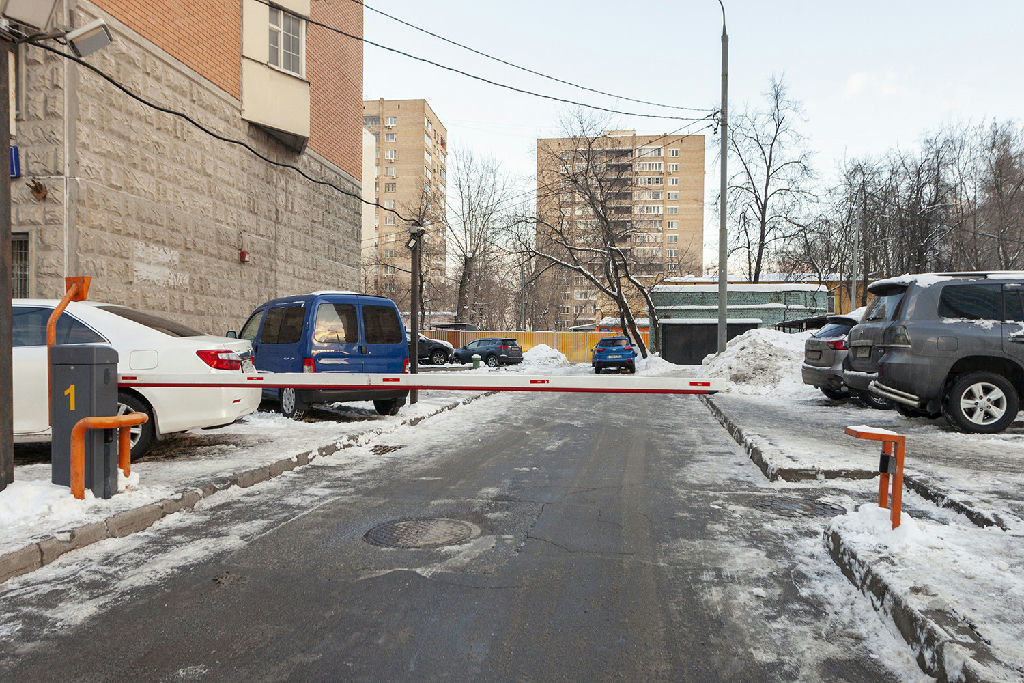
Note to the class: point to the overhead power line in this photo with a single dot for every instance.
(241, 143)
(523, 68)
(521, 91)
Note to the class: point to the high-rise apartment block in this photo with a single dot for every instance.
(641, 194)
(411, 152)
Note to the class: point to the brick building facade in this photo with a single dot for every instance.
(156, 211)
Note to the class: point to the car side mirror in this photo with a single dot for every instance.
(232, 334)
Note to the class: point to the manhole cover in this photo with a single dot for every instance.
(421, 533)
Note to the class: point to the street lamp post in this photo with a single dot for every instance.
(415, 243)
(723, 233)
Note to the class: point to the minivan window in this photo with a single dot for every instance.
(382, 325)
(283, 325)
(29, 328)
(971, 302)
(251, 326)
(336, 324)
(884, 307)
(153, 322)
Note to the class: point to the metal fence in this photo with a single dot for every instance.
(575, 345)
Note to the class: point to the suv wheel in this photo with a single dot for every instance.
(492, 361)
(291, 406)
(980, 403)
(871, 400)
(437, 357)
(834, 394)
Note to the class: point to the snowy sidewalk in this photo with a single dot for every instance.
(951, 578)
(41, 521)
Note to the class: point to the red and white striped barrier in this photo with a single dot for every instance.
(436, 382)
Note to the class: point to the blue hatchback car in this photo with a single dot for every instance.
(614, 352)
(329, 332)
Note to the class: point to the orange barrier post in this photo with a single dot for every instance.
(77, 289)
(890, 465)
(122, 423)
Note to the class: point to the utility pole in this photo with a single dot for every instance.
(522, 295)
(6, 279)
(856, 246)
(723, 233)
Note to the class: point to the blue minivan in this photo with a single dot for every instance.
(329, 332)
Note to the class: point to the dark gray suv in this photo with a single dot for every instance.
(949, 344)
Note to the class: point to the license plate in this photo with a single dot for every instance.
(861, 351)
(813, 355)
(616, 356)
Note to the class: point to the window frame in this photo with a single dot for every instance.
(279, 53)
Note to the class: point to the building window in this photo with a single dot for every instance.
(673, 225)
(390, 187)
(19, 263)
(673, 266)
(426, 158)
(389, 219)
(673, 181)
(649, 166)
(389, 253)
(389, 154)
(672, 209)
(426, 172)
(673, 152)
(565, 309)
(672, 253)
(672, 239)
(389, 137)
(389, 203)
(285, 41)
(391, 172)
(649, 152)
(387, 270)
(390, 121)
(673, 195)
(371, 121)
(427, 141)
(673, 168)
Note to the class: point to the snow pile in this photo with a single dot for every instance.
(543, 356)
(23, 502)
(656, 366)
(762, 361)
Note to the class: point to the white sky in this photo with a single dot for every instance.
(870, 75)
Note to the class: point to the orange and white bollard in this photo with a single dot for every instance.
(122, 423)
(890, 467)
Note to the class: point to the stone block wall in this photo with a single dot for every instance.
(158, 211)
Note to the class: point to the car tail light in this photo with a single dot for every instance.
(405, 367)
(838, 345)
(600, 348)
(308, 365)
(220, 359)
(896, 335)
(627, 348)
(504, 348)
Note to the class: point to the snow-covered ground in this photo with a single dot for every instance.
(937, 559)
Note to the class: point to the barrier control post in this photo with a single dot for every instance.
(890, 466)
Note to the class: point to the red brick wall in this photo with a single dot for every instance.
(206, 35)
(334, 67)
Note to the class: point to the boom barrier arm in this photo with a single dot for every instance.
(435, 382)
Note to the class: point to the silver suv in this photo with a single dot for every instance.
(949, 344)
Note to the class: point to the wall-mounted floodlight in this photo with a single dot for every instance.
(88, 39)
(34, 13)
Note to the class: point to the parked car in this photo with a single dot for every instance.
(145, 344)
(329, 332)
(613, 352)
(824, 353)
(954, 345)
(493, 351)
(860, 366)
(433, 351)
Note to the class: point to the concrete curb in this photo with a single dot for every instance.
(759, 449)
(945, 645)
(121, 524)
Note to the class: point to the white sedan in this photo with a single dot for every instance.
(144, 344)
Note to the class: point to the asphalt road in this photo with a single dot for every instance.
(611, 537)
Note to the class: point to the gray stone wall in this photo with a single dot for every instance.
(158, 210)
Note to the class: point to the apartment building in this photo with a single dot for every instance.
(411, 152)
(163, 216)
(642, 193)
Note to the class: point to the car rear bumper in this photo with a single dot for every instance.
(859, 381)
(821, 376)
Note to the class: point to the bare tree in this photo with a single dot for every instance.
(768, 192)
